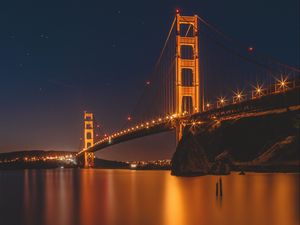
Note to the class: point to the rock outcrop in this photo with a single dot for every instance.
(190, 158)
(252, 142)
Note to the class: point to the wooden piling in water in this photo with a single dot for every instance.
(221, 191)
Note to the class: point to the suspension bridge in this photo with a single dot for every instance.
(201, 75)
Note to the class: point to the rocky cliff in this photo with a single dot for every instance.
(255, 142)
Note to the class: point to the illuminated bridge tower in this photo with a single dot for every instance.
(187, 68)
(88, 138)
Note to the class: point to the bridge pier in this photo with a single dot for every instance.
(188, 97)
(89, 159)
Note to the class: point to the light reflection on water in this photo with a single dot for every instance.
(113, 197)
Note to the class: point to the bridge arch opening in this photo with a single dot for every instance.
(187, 30)
(88, 135)
(187, 52)
(187, 104)
(187, 77)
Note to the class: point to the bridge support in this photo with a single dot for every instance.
(88, 139)
(89, 159)
(187, 67)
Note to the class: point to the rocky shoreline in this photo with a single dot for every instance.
(268, 143)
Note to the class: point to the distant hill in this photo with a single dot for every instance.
(37, 159)
(32, 153)
(103, 163)
(49, 159)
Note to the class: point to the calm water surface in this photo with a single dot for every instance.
(126, 197)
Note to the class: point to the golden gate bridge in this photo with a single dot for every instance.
(193, 83)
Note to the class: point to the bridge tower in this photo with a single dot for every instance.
(187, 67)
(88, 138)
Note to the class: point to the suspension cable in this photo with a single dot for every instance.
(242, 44)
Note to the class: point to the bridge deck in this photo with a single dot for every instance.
(270, 102)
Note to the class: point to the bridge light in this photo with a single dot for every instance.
(129, 118)
(282, 83)
(258, 91)
(148, 82)
(177, 11)
(137, 127)
(159, 119)
(250, 49)
(147, 123)
(142, 125)
(239, 96)
(221, 101)
(167, 117)
(207, 105)
(194, 123)
(153, 121)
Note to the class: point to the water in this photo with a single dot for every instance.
(126, 197)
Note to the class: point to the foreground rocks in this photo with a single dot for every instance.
(190, 158)
(254, 143)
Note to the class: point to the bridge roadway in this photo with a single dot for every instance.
(279, 100)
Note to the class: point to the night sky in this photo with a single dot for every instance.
(59, 58)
